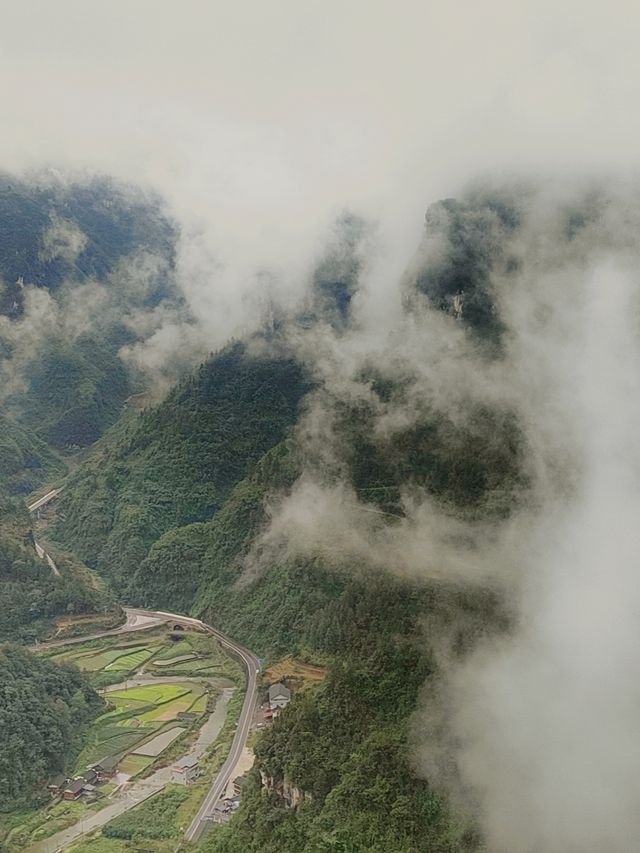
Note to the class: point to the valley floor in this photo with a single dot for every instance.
(104, 657)
(137, 792)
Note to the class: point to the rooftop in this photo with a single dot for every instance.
(106, 764)
(279, 690)
(185, 762)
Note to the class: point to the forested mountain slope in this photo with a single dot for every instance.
(45, 709)
(54, 229)
(82, 264)
(31, 596)
(177, 463)
(26, 461)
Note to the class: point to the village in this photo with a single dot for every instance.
(101, 778)
(275, 701)
(167, 694)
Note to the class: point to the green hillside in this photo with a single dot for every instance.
(52, 229)
(103, 254)
(170, 505)
(31, 596)
(45, 709)
(26, 462)
(177, 463)
(74, 392)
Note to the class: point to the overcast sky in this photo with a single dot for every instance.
(259, 119)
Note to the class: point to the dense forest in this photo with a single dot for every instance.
(44, 711)
(26, 461)
(345, 747)
(31, 596)
(104, 221)
(177, 463)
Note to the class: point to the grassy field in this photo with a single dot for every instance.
(131, 661)
(196, 654)
(134, 764)
(94, 660)
(300, 672)
(155, 694)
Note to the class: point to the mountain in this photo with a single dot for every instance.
(286, 492)
(178, 463)
(465, 243)
(83, 267)
(174, 507)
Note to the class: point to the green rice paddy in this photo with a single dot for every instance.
(139, 714)
(143, 713)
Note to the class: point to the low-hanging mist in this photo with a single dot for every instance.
(521, 331)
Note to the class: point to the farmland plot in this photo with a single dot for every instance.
(142, 722)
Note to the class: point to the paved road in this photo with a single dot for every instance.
(136, 621)
(33, 507)
(139, 620)
(44, 556)
(251, 666)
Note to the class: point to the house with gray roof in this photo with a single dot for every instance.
(279, 696)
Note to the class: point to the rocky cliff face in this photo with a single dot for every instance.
(291, 795)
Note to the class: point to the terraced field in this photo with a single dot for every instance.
(140, 715)
(146, 714)
(162, 654)
(133, 764)
(116, 660)
(131, 661)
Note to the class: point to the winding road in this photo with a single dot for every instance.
(34, 507)
(138, 620)
(251, 667)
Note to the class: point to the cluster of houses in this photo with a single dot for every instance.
(227, 806)
(86, 784)
(184, 772)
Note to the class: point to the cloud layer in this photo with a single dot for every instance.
(537, 730)
(260, 122)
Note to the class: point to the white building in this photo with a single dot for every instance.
(279, 696)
